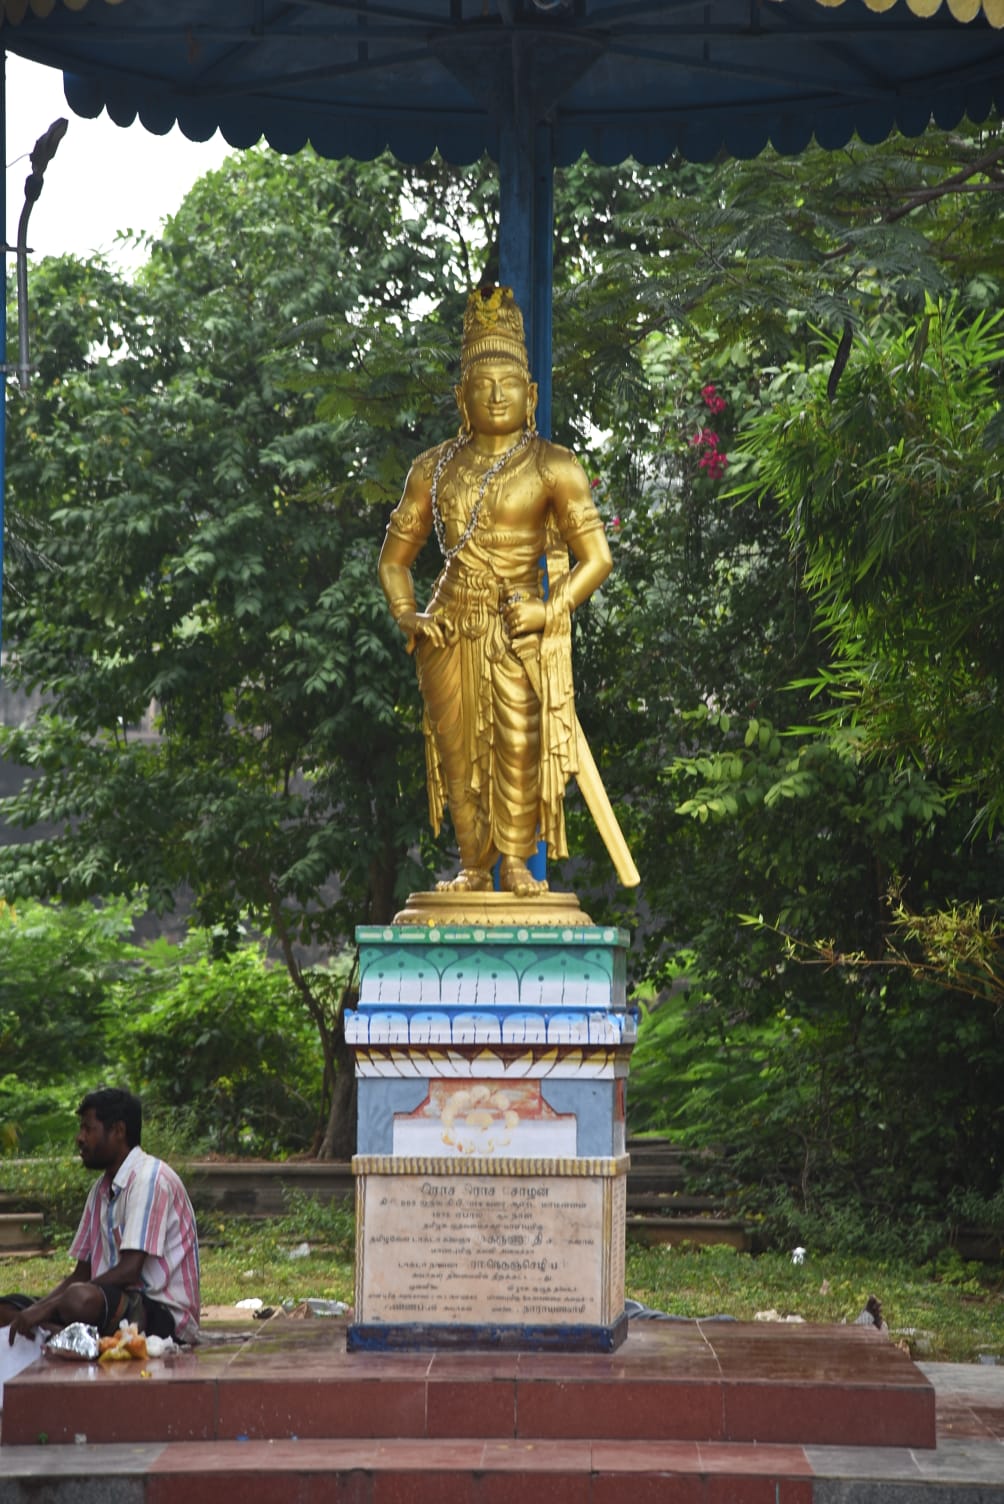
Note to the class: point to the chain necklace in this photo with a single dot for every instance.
(437, 517)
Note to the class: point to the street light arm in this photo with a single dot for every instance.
(42, 154)
(45, 147)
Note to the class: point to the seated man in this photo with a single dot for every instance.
(136, 1247)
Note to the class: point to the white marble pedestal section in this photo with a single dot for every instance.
(490, 1190)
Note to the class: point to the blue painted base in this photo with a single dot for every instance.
(417, 1337)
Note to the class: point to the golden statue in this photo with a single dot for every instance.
(493, 655)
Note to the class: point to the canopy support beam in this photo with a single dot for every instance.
(3, 326)
(526, 237)
(526, 259)
(526, 195)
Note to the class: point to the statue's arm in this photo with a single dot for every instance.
(409, 526)
(581, 528)
(592, 564)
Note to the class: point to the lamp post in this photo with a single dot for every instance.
(41, 155)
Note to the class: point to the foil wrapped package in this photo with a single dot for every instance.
(75, 1341)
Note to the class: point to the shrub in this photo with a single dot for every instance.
(222, 1053)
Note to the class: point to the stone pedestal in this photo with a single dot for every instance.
(490, 1180)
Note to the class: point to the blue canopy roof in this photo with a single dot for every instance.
(616, 78)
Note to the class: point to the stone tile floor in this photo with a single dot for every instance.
(968, 1462)
(381, 1467)
(699, 1381)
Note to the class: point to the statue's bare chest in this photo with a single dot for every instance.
(515, 501)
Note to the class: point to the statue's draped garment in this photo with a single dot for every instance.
(500, 740)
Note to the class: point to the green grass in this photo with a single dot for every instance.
(955, 1310)
(950, 1311)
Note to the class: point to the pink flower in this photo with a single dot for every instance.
(712, 401)
(714, 463)
(595, 482)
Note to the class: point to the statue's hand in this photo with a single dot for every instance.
(426, 626)
(523, 617)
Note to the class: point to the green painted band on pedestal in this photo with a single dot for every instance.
(501, 934)
(500, 969)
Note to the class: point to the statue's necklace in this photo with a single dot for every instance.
(459, 443)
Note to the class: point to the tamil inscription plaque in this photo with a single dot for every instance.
(491, 1248)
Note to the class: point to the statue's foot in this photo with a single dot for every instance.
(516, 878)
(468, 880)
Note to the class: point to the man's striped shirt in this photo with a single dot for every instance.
(146, 1207)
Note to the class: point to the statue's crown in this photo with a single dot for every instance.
(493, 329)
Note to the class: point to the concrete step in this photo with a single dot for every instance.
(671, 1202)
(458, 1471)
(967, 1467)
(478, 1472)
(700, 1381)
(21, 1232)
(671, 1231)
(256, 1188)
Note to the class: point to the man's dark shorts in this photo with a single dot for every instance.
(132, 1305)
(148, 1315)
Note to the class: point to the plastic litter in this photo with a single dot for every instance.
(75, 1341)
(638, 1312)
(319, 1307)
(161, 1347)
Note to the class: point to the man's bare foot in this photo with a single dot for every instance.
(468, 880)
(515, 878)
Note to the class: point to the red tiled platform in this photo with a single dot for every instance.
(705, 1382)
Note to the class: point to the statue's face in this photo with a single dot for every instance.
(497, 398)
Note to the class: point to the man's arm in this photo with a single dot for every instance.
(124, 1275)
(44, 1309)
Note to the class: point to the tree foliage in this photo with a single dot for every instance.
(779, 374)
(891, 485)
(751, 788)
(217, 1044)
(58, 971)
(211, 534)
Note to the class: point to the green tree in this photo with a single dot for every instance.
(59, 968)
(229, 387)
(220, 1048)
(212, 539)
(779, 267)
(892, 488)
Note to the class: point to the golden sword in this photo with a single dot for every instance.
(588, 777)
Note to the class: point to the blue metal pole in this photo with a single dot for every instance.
(542, 273)
(540, 352)
(516, 205)
(3, 322)
(526, 235)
